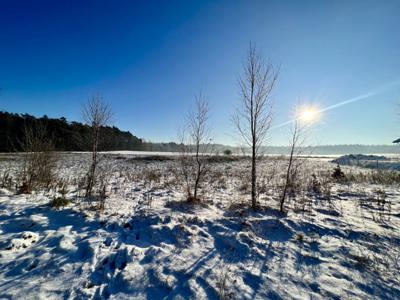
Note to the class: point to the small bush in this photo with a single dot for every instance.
(59, 202)
(25, 188)
(300, 237)
(39, 160)
(227, 152)
(6, 180)
(337, 173)
(315, 184)
(193, 200)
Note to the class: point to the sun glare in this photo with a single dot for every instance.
(308, 114)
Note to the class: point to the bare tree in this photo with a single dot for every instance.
(96, 113)
(195, 143)
(39, 159)
(296, 141)
(305, 116)
(253, 117)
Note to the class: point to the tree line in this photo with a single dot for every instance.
(65, 136)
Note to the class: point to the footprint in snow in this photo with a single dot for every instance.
(26, 240)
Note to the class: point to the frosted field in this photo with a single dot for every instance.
(340, 243)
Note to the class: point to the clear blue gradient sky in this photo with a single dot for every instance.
(149, 59)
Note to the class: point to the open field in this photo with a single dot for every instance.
(337, 239)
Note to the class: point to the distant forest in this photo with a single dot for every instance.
(66, 136)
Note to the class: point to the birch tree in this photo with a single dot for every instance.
(253, 118)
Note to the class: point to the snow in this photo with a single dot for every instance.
(369, 161)
(150, 244)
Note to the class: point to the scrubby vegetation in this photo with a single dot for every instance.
(138, 218)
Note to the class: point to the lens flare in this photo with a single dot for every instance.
(314, 114)
(308, 114)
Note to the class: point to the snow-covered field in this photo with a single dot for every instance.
(342, 243)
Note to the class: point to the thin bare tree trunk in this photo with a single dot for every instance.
(253, 179)
(253, 118)
(92, 170)
(198, 173)
(296, 141)
(287, 178)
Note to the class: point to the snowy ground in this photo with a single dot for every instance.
(150, 244)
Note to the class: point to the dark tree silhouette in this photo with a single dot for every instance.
(66, 136)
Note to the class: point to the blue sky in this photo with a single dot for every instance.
(149, 59)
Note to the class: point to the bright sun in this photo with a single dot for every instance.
(308, 114)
